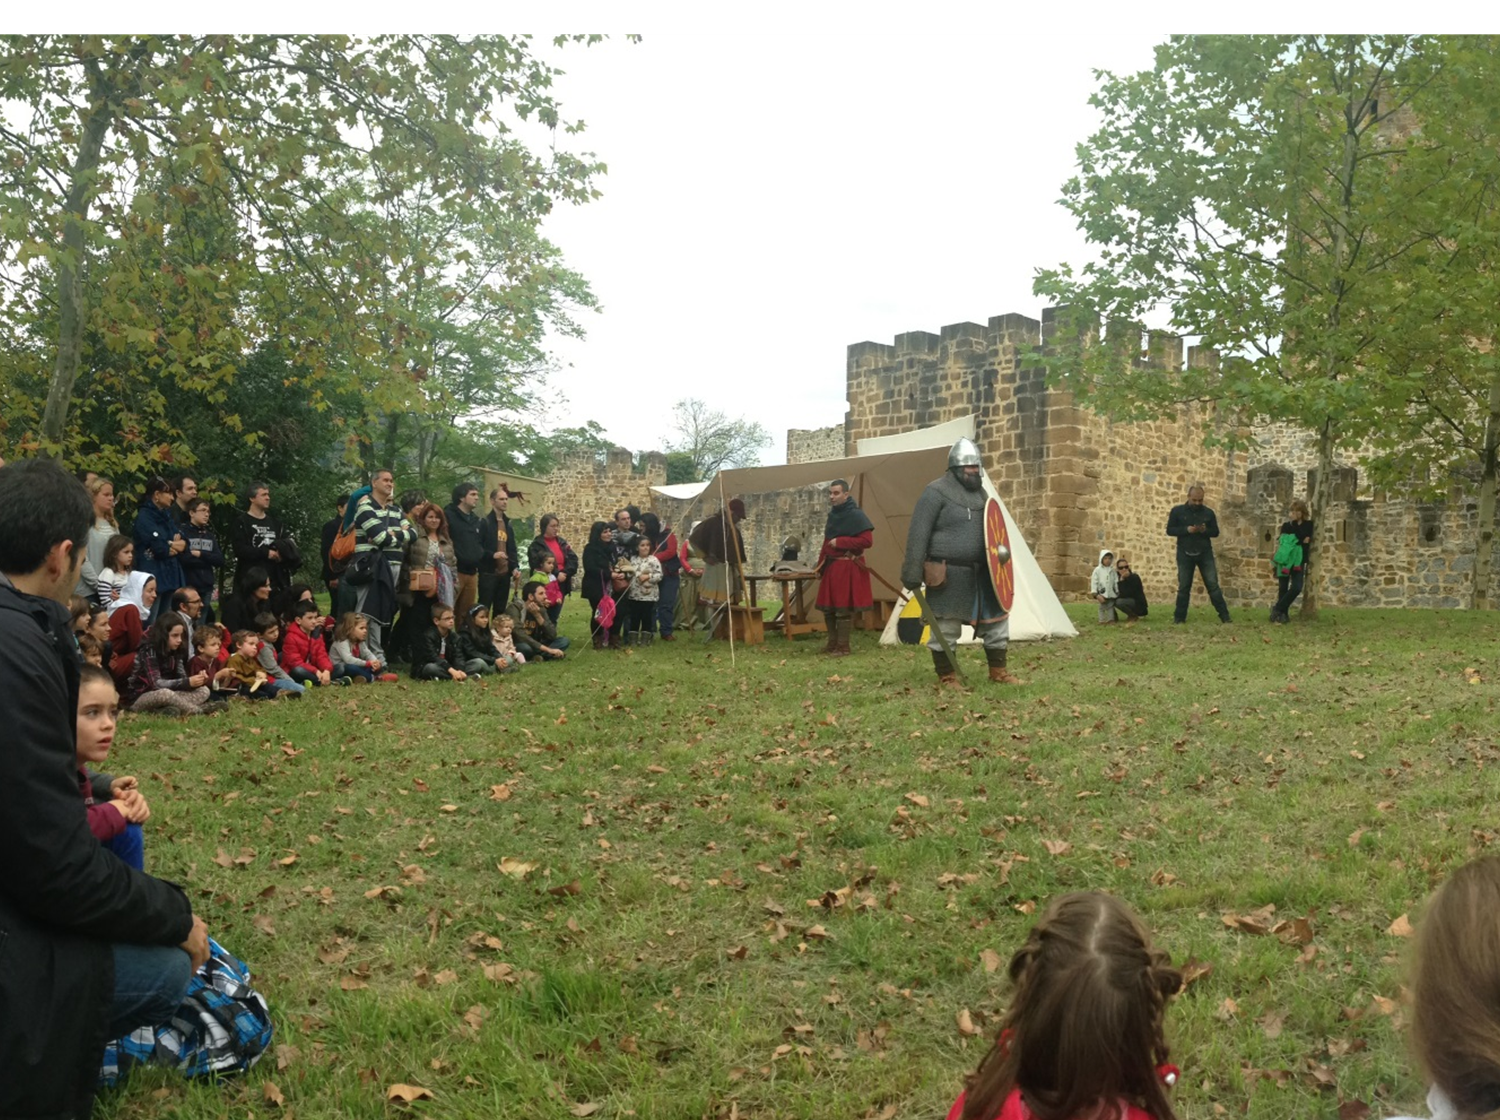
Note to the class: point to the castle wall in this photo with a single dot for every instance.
(1077, 483)
(588, 487)
(812, 445)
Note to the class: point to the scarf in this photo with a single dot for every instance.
(131, 594)
(353, 507)
(847, 520)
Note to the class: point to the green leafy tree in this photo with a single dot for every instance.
(711, 440)
(114, 147)
(1259, 192)
(680, 468)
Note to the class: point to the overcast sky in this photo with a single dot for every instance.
(780, 189)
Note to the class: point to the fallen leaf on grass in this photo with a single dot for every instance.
(1272, 1022)
(1057, 847)
(500, 792)
(352, 984)
(266, 926)
(447, 808)
(966, 1025)
(446, 976)
(407, 1093)
(1401, 927)
(272, 1093)
(586, 1109)
(628, 1045)
(1228, 1009)
(475, 1016)
(918, 800)
(389, 893)
(1195, 970)
(990, 959)
(816, 932)
(566, 889)
(516, 868)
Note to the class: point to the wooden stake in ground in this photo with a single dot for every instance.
(727, 525)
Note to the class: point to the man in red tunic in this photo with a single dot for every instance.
(845, 586)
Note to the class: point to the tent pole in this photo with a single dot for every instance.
(726, 523)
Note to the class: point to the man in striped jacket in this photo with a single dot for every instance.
(380, 527)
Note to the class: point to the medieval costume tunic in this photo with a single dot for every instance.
(948, 526)
(845, 586)
(717, 539)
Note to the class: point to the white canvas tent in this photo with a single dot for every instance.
(1036, 612)
(887, 485)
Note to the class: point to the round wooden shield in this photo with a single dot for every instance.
(996, 536)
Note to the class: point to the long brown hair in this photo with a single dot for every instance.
(1085, 1023)
(418, 517)
(1456, 1018)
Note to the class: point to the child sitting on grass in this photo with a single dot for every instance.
(502, 629)
(476, 643)
(207, 642)
(303, 654)
(350, 650)
(277, 679)
(437, 651)
(1455, 973)
(91, 651)
(159, 681)
(115, 807)
(1083, 1036)
(243, 672)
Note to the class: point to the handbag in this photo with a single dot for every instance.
(361, 569)
(604, 613)
(423, 580)
(934, 573)
(342, 550)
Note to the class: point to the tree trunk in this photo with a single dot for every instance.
(1484, 546)
(70, 267)
(392, 429)
(1319, 501)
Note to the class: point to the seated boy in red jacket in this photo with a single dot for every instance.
(303, 654)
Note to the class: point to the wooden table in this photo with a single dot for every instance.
(794, 618)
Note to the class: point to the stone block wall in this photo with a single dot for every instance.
(1077, 483)
(589, 487)
(809, 445)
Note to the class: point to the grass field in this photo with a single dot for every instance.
(655, 885)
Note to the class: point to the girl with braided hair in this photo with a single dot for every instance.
(1083, 1037)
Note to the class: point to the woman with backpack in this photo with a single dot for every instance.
(1290, 561)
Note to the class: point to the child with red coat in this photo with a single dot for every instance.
(845, 586)
(303, 654)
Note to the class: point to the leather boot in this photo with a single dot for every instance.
(998, 672)
(947, 674)
(846, 630)
(831, 620)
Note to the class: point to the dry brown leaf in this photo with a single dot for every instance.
(264, 923)
(475, 1016)
(1057, 847)
(918, 800)
(628, 1045)
(272, 1093)
(1272, 1022)
(654, 769)
(447, 976)
(352, 984)
(566, 889)
(1401, 927)
(966, 1025)
(586, 1109)
(516, 868)
(405, 1094)
(501, 792)
(990, 959)
(816, 932)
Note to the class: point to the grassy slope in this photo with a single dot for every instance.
(1335, 770)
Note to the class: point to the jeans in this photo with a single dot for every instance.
(276, 687)
(666, 606)
(1291, 587)
(1205, 563)
(150, 981)
(130, 846)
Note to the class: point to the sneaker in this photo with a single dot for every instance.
(213, 706)
(388, 678)
(345, 682)
(668, 638)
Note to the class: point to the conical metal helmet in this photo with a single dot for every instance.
(964, 453)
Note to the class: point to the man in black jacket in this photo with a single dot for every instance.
(1195, 526)
(468, 547)
(500, 571)
(92, 948)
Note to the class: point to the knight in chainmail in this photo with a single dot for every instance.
(947, 530)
